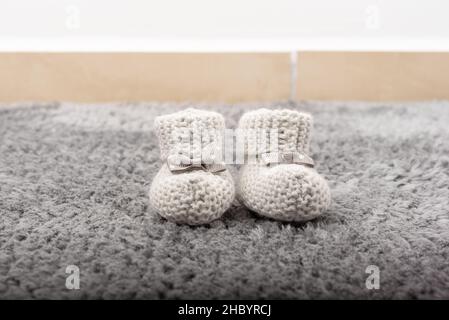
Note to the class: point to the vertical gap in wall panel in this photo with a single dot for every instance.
(293, 74)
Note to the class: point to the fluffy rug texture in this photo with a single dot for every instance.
(74, 183)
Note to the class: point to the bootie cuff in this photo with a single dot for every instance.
(189, 132)
(292, 127)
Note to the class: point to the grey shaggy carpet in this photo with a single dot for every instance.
(73, 191)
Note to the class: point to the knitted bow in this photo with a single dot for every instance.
(182, 163)
(291, 157)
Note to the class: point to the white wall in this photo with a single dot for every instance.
(224, 25)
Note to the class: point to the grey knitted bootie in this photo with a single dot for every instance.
(282, 183)
(191, 187)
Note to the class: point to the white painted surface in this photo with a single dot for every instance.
(224, 25)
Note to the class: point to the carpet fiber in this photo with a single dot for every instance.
(73, 191)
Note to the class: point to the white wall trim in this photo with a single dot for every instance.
(117, 44)
(293, 74)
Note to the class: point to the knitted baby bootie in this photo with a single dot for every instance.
(193, 186)
(279, 180)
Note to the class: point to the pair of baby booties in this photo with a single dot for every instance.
(282, 184)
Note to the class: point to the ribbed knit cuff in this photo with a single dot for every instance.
(292, 127)
(189, 132)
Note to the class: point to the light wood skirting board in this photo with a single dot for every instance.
(373, 76)
(223, 77)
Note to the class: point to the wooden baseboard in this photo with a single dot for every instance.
(373, 76)
(223, 77)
